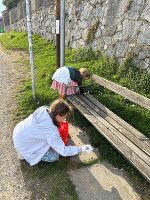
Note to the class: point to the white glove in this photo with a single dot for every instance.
(86, 148)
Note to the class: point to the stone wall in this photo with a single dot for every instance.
(119, 27)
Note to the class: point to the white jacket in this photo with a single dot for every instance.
(62, 75)
(36, 134)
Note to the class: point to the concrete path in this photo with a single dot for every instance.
(99, 181)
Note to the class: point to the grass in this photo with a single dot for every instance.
(45, 65)
(49, 181)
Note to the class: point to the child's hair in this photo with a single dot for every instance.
(59, 107)
(84, 73)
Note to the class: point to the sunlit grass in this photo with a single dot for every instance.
(45, 65)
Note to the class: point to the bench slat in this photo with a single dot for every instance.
(120, 121)
(131, 133)
(132, 96)
(111, 137)
(91, 107)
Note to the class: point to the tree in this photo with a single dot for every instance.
(10, 3)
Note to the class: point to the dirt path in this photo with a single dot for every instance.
(98, 182)
(16, 182)
(11, 178)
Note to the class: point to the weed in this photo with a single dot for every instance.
(92, 31)
(45, 65)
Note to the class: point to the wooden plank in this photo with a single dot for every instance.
(130, 128)
(115, 121)
(86, 103)
(132, 96)
(144, 147)
(119, 145)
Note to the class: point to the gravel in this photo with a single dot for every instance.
(12, 182)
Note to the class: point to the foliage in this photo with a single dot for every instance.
(10, 3)
(45, 63)
(81, 55)
(126, 74)
(91, 32)
(52, 181)
(134, 78)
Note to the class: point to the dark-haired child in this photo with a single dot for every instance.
(37, 137)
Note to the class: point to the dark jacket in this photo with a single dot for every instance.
(75, 75)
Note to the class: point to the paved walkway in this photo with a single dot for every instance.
(100, 181)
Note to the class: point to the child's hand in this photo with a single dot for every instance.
(86, 148)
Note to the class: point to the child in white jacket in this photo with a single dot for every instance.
(37, 137)
(67, 79)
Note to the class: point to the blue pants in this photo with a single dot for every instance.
(50, 156)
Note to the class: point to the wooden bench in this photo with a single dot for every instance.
(133, 145)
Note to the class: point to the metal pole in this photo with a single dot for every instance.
(58, 33)
(62, 33)
(29, 27)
